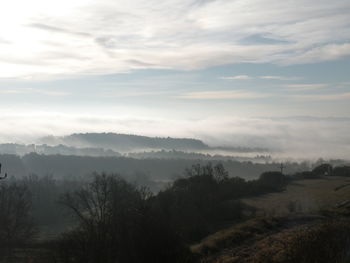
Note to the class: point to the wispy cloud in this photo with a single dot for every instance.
(177, 34)
(223, 94)
(323, 97)
(238, 77)
(322, 53)
(57, 29)
(3, 41)
(133, 93)
(34, 91)
(247, 77)
(299, 87)
(279, 78)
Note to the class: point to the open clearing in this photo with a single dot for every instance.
(284, 221)
(306, 196)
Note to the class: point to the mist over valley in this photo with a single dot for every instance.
(174, 131)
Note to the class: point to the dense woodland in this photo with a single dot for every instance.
(155, 169)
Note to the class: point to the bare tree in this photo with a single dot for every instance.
(16, 226)
(5, 175)
(117, 224)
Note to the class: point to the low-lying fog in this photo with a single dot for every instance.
(292, 137)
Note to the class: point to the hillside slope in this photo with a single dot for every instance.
(307, 196)
(309, 222)
(125, 142)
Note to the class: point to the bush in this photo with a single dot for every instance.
(323, 169)
(341, 171)
(306, 175)
(272, 181)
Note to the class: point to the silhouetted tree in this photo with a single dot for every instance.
(16, 226)
(198, 202)
(272, 181)
(323, 169)
(341, 171)
(117, 224)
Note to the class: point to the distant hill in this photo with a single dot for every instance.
(124, 142)
(22, 149)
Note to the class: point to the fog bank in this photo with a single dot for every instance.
(295, 137)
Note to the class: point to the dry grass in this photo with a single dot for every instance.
(309, 196)
(250, 232)
(316, 243)
(236, 235)
(287, 229)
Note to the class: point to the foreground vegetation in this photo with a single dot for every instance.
(111, 220)
(292, 239)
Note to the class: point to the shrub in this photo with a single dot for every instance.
(341, 171)
(272, 181)
(323, 169)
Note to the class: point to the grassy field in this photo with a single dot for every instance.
(307, 196)
(288, 227)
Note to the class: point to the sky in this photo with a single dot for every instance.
(248, 73)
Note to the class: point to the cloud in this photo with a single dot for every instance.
(298, 87)
(279, 78)
(238, 77)
(223, 94)
(246, 77)
(57, 29)
(34, 91)
(324, 97)
(177, 34)
(132, 93)
(4, 41)
(260, 39)
(322, 53)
